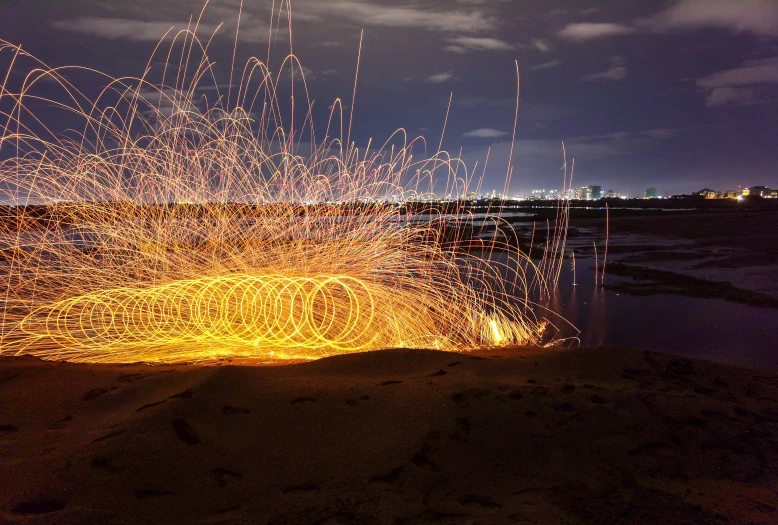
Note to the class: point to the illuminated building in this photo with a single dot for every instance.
(761, 191)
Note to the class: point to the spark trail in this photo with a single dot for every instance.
(177, 227)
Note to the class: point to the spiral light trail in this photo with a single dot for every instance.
(177, 226)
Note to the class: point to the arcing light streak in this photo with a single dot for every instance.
(174, 228)
(305, 313)
(236, 314)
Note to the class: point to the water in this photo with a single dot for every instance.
(702, 328)
(472, 219)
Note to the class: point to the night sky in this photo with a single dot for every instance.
(679, 95)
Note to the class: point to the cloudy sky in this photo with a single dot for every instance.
(678, 94)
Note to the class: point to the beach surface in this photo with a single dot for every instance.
(546, 436)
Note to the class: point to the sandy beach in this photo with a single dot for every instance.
(546, 436)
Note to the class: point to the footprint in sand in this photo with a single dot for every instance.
(95, 393)
(337, 519)
(539, 391)
(357, 400)
(652, 448)
(596, 399)
(228, 410)
(387, 383)
(129, 378)
(224, 510)
(462, 399)
(184, 432)
(480, 501)
(696, 422)
(388, 478)
(221, 475)
(462, 429)
(8, 377)
(186, 394)
(149, 405)
(304, 487)
(431, 516)
(45, 506)
(103, 464)
(299, 400)
(565, 407)
(422, 459)
(62, 423)
(108, 436)
(152, 493)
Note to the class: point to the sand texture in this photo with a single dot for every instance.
(572, 436)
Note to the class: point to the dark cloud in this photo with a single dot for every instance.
(589, 31)
(470, 43)
(546, 65)
(741, 85)
(759, 17)
(617, 71)
(485, 133)
(406, 16)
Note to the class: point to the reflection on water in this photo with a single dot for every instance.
(703, 328)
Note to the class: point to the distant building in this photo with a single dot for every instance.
(708, 193)
(651, 193)
(595, 192)
(761, 191)
(581, 193)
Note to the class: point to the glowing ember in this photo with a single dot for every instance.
(495, 332)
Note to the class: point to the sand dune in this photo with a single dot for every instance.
(396, 437)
